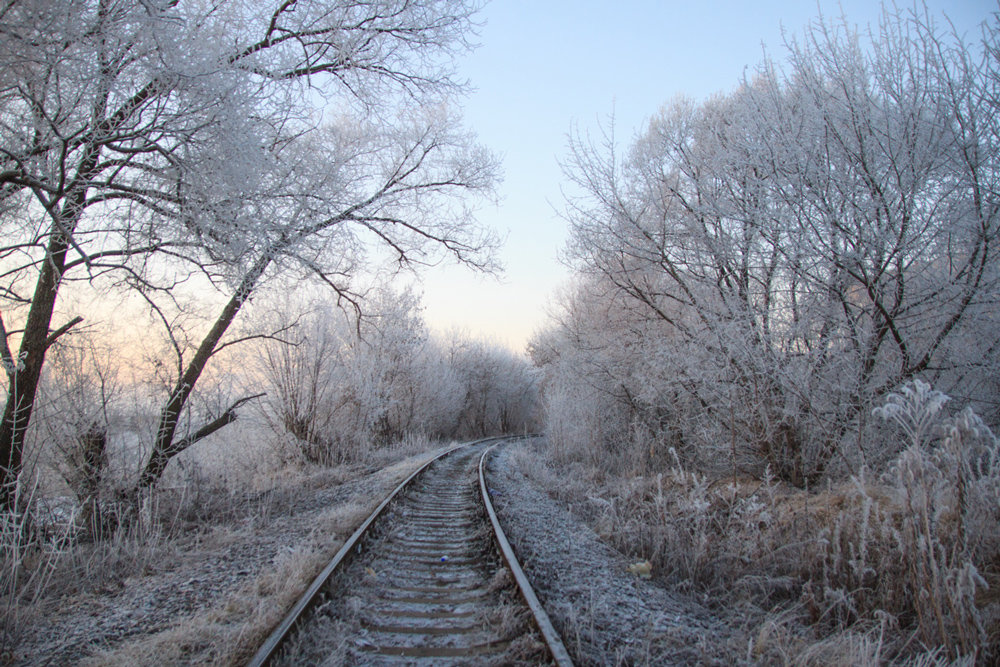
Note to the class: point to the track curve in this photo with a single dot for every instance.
(422, 582)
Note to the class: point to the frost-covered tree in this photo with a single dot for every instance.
(143, 141)
(500, 387)
(342, 386)
(808, 242)
(392, 382)
(346, 385)
(610, 392)
(297, 374)
(379, 190)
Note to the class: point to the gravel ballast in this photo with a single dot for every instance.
(606, 614)
(198, 573)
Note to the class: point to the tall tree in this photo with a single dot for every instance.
(132, 133)
(383, 186)
(813, 239)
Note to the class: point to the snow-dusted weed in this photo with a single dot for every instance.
(897, 566)
(920, 545)
(28, 560)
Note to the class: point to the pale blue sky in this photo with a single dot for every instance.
(545, 67)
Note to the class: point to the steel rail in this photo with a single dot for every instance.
(314, 594)
(555, 644)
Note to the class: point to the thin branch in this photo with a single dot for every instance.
(226, 418)
(61, 330)
(243, 339)
(5, 355)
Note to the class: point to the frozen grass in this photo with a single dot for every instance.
(900, 567)
(203, 507)
(511, 621)
(45, 562)
(28, 562)
(230, 632)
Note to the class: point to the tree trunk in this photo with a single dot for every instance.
(36, 339)
(165, 447)
(24, 377)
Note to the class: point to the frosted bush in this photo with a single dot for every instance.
(915, 409)
(918, 552)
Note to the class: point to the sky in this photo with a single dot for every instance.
(548, 68)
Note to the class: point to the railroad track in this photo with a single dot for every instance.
(429, 578)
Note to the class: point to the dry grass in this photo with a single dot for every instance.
(229, 632)
(27, 564)
(901, 567)
(510, 620)
(199, 516)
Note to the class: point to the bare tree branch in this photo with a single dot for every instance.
(227, 417)
(54, 336)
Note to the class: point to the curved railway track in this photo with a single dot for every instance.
(428, 578)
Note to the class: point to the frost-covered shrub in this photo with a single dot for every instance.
(579, 423)
(762, 265)
(499, 387)
(80, 398)
(608, 387)
(918, 546)
(892, 563)
(344, 386)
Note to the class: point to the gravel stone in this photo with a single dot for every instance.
(605, 614)
(202, 572)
